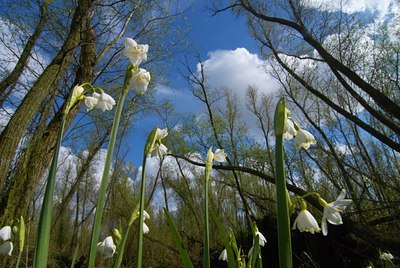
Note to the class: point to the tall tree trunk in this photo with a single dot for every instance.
(14, 131)
(31, 167)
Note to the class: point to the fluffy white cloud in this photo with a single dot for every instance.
(236, 70)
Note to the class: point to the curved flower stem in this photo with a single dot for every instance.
(284, 242)
(106, 171)
(147, 149)
(43, 235)
(121, 246)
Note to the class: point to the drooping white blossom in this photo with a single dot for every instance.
(5, 233)
(91, 101)
(159, 149)
(105, 102)
(136, 53)
(306, 222)
(261, 239)
(6, 248)
(140, 80)
(101, 101)
(386, 256)
(304, 139)
(289, 130)
(146, 228)
(107, 247)
(223, 256)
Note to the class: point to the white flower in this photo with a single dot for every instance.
(220, 155)
(223, 256)
(332, 211)
(161, 133)
(386, 256)
(105, 102)
(6, 248)
(305, 221)
(289, 131)
(92, 101)
(304, 139)
(107, 247)
(159, 150)
(146, 215)
(101, 101)
(136, 53)
(146, 228)
(140, 80)
(5, 233)
(261, 238)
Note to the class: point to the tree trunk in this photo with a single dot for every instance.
(15, 129)
(36, 158)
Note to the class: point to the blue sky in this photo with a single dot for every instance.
(230, 56)
(207, 34)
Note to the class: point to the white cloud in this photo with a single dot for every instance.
(236, 70)
(353, 6)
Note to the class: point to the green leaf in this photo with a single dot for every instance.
(225, 240)
(389, 264)
(187, 263)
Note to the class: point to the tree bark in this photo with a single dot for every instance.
(30, 167)
(15, 129)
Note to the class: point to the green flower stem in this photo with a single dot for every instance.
(121, 246)
(21, 236)
(147, 149)
(206, 249)
(106, 171)
(43, 234)
(284, 242)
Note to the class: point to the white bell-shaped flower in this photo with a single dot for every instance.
(140, 80)
(304, 139)
(136, 53)
(107, 247)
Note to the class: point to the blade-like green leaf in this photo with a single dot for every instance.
(225, 240)
(187, 263)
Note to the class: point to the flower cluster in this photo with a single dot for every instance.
(303, 138)
(100, 101)
(306, 222)
(140, 78)
(158, 148)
